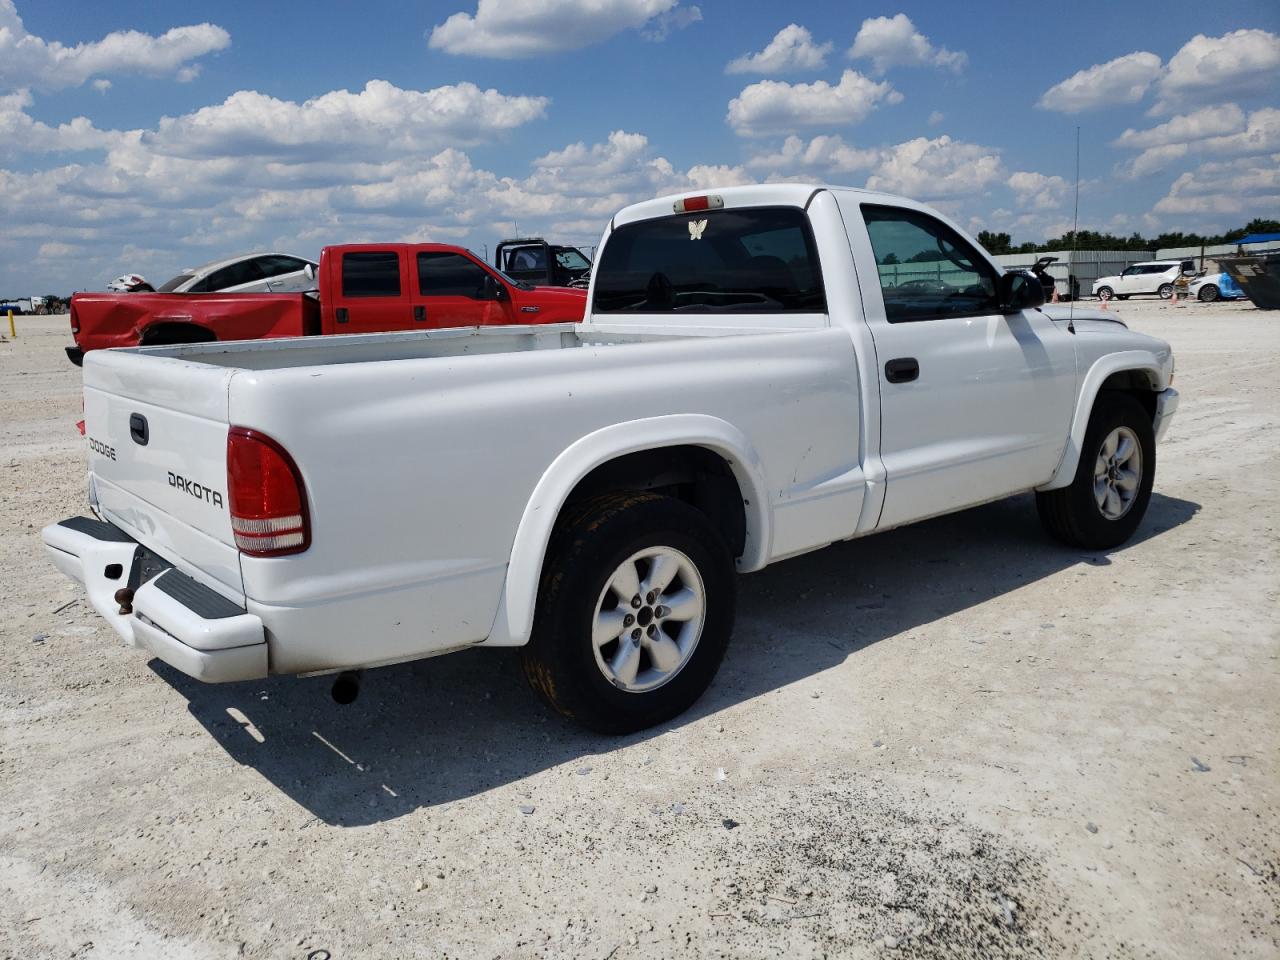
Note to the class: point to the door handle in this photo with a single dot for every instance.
(420, 313)
(340, 314)
(902, 370)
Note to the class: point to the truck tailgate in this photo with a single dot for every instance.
(157, 434)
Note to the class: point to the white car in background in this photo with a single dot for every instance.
(1154, 276)
(253, 273)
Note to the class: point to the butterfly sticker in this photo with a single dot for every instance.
(696, 227)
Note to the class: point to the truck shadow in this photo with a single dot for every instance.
(438, 730)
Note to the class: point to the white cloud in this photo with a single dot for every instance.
(19, 133)
(513, 29)
(1239, 64)
(895, 42)
(791, 49)
(1211, 121)
(821, 157)
(1248, 186)
(772, 106)
(1222, 130)
(1152, 160)
(936, 117)
(1037, 191)
(1261, 132)
(102, 86)
(29, 61)
(940, 168)
(380, 120)
(1122, 80)
(665, 24)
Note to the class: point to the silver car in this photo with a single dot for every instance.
(254, 273)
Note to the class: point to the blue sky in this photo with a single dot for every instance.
(143, 137)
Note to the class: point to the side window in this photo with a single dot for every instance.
(450, 275)
(927, 271)
(372, 274)
(273, 265)
(246, 271)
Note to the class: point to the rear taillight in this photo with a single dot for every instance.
(75, 321)
(268, 501)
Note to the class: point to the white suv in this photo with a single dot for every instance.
(1156, 276)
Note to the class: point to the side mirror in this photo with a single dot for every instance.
(310, 271)
(493, 290)
(1020, 291)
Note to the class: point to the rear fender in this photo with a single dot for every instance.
(1140, 361)
(514, 622)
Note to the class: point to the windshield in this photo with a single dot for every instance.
(520, 284)
(571, 259)
(752, 260)
(170, 285)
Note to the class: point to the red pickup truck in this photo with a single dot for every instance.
(362, 288)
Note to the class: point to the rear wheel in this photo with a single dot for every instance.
(1109, 494)
(1165, 290)
(1208, 293)
(635, 610)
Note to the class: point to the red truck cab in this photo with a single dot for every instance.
(361, 288)
(368, 287)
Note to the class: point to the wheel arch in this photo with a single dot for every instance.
(573, 471)
(174, 330)
(1135, 372)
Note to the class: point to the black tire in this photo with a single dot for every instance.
(1165, 291)
(590, 543)
(1072, 513)
(1105, 293)
(1208, 293)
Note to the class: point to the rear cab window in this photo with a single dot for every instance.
(749, 260)
(371, 274)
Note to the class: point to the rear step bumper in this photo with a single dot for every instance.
(186, 624)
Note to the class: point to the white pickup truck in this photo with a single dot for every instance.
(760, 372)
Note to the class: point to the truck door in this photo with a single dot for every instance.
(374, 292)
(452, 290)
(974, 403)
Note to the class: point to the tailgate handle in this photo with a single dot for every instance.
(138, 429)
(341, 314)
(419, 313)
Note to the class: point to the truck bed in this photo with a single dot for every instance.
(410, 345)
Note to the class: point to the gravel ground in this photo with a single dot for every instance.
(952, 740)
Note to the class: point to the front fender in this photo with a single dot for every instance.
(1143, 361)
(514, 622)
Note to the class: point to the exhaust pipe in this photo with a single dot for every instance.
(346, 687)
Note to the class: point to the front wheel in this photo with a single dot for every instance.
(635, 610)
(1105, 293)
(1109, 494)
(1165, 290)
(1208, 293)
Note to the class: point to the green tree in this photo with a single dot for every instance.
(995, 243)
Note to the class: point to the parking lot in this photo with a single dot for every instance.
(956, 739)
